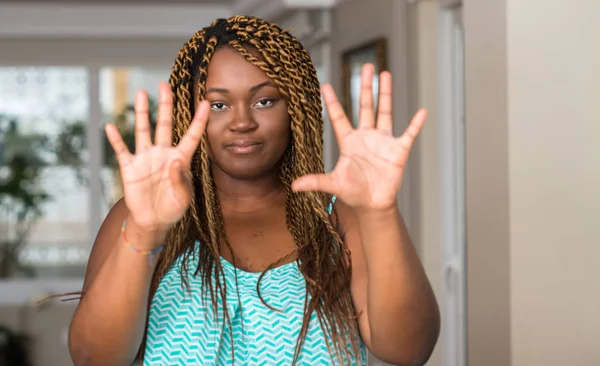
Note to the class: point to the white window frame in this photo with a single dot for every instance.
(20, 292)
(453, 200)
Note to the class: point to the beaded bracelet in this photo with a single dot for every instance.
(149, 253)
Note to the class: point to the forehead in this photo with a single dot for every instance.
(228, 69)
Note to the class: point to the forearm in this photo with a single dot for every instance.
(108, 326)
(401, 307)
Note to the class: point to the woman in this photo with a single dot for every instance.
(227, 247)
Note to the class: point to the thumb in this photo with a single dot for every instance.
(315, 182)
(181, 182)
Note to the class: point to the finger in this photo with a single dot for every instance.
(414, 128)
(164, 124)
(180, 179)
(366, 116)
(191, 139)
(339, 121)
(122, 153)
(143, 141)
(384, 111)
(316, 182)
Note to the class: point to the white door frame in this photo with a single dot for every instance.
(452, 144)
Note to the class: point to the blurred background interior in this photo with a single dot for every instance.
(502, 194)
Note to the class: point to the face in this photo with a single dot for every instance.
(248, 128)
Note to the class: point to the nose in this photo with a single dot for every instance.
(242, 121)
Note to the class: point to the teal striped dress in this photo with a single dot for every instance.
(182, 328)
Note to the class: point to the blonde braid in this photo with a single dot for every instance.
(323, 256)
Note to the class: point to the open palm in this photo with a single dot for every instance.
(155, 179)
(371, 165)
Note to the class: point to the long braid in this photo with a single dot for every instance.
(324, 259)
(297, 112)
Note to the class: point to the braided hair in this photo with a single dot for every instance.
(323, 257)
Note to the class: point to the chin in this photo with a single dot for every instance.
(249, 171)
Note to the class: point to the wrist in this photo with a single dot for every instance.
(377, 214)
(141, 237)
(142, 227)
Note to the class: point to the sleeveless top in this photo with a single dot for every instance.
(183, 330)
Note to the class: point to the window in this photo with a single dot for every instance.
(55, 184)
(44, 207)
(117, 93)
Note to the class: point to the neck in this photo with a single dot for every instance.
(247, 195)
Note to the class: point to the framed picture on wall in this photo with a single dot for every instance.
(352, 61)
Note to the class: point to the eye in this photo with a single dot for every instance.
(218, 106)
(265, 103)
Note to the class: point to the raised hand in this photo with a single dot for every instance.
(156, 181)
(370, 169)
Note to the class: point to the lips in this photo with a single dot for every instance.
(243, 146)
(243, 143)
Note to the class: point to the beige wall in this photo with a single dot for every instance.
(532, 181)
(487, 194)
(422, 22)
(554, 159)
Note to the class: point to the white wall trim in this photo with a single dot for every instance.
(156, 20)
(453, 200)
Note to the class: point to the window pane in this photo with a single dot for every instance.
(117, 95)
(43, 195)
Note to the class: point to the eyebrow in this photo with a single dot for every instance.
(252, 89)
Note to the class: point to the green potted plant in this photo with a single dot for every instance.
(21, 194)
(23, 156)
(71, 145)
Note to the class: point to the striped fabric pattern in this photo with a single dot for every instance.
(183, 330)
